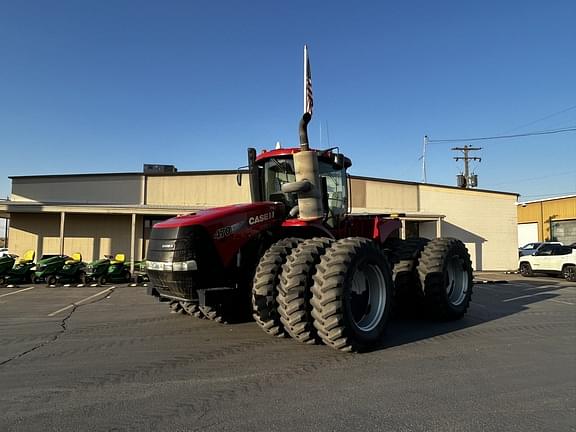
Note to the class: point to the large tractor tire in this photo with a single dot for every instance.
(295, 289)
(408, 293)
(352, 295)
(445, 273)
(191, 309)
(265, 286)
(216, 313)
(176, 307)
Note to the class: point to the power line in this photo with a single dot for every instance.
(545, 132)
(520, 180)
(541, 119)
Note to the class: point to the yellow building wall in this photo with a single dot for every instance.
(544, 212)
(197, 190)
(486, 222)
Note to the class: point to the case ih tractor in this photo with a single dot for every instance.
(300, 262)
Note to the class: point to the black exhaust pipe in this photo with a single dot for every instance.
(304, 132)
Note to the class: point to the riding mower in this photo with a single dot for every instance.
(22, 272)
(73, 270)
(48, 267)
(6, 264)
(108, 269)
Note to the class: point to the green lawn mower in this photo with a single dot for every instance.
(72, 271)
(22, 272)
(48, 267)
(108, 269)
(6, 264)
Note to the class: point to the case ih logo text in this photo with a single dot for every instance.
(260, 218)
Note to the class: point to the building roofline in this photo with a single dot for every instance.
(244, 171)
(383, 180)
(547, 199)
(127, 174)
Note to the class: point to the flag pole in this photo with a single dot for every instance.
(305, 74)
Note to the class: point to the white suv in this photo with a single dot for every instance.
(553, 259)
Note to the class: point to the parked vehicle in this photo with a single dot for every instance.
(73, 270)
(48, 267)
(22, 272)
(532, 248)
(4, 252)
(6, 264)
(108, 269)
(554, 259)
(299, 261)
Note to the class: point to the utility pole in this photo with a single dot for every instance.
(469, 181)
(424, 159)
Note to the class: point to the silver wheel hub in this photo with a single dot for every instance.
(457, 286)
(368, 297)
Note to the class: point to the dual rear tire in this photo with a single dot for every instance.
(340, 293)
(321, 290)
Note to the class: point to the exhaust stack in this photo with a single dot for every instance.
(308, 185)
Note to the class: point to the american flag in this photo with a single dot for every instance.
(308, 99)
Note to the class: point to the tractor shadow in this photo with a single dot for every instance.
(490, 302)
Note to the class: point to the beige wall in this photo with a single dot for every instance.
(197, 190)
(486, 222)
(92, 235)
(109, 189)
(384, 196)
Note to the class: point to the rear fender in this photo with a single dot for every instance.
(305, 229)
(384, 227)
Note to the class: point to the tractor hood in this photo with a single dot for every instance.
(228, 228)
(252, 214)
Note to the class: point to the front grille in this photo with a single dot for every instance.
(179, 284)
(184, 244)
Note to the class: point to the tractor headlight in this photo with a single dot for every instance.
(172, 266)
(184, 266)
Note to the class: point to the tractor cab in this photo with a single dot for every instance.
(271, 171)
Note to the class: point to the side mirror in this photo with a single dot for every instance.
(239, 175)
(339, 160)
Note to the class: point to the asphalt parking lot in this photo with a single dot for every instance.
(102, 359)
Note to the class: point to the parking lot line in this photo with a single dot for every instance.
(16, 292)
(525, 296)
(78, 303)
(562, 302)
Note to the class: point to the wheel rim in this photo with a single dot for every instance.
(570, 273)
(524, 269)
(368, 297)
(457, 285)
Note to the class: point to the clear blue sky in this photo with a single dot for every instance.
(105, 86)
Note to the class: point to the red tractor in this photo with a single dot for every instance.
(300, 262)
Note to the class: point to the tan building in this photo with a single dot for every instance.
(103, 214)
(551, 219)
